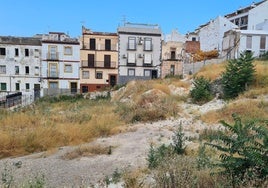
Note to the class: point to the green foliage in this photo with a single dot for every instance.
(238, 75)
(37, 182)
(264, 56)
(179, 141)
(244, 152)
(157, 155)
(203, 160)
(201, 92)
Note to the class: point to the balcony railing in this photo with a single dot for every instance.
(101, 47)
(53, 56)
(53, 74)
(99, 64)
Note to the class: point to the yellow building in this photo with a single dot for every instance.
(99, 60)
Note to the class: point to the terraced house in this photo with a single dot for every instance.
(60, 64)
(139, 52)
(20, 66)
(99, 60)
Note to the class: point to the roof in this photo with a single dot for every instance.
(20, 40)
(134, 28)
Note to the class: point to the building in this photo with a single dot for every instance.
(20, 66)
(60, 64)
(211, 34)
(99, 60)
(139, 52)
(237, 41)
(172, 54)
(248, 17)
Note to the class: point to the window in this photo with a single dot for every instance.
(147, 73)
(147, 58)
(27, 86)
(68, 50)
(173, 55)
(84, 89)
(131, 58)
(3, 86)
(53, 70)
(68, 68)
(17, 86)
(2, 51)
(148, 44)
(249, 42)
(107, 61)
(107, 44)
(17, 70)
(263, 42)
(2, 69)
(91, 60)
(194, 39)
(85, 74)
(16, 52)
(53, 85)
(36, 53)
(92, 44)
(52, 52)
(36, 71)
(131, 72)
(98, 75)
(27, 70)
(131, 43)
(26, 52)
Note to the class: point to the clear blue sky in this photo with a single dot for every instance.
(29, 17)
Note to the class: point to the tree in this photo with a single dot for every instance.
(238, 75)
(244, 152)
(201, 92)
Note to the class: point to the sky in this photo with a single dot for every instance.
(26, 18)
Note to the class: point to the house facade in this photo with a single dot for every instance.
(211, 34)
(99, 60)
(139, 53)
(172, 54)
(20, 66)
(60, 64)
(237, 41)
(248, 17)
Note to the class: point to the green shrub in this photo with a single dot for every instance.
(201, 92)
(239, 74)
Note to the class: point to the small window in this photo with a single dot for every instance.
(27, 86)
(131, 72)
(17, 86)
(2, 51)
(36, 53)
(147, 73)
(16, 52)
(27, 70)
(263, 42)
(3, 86)
(85, 74)
(249, 42)
(148, 44)
(194, 39)
(53, 85)
(68, 50)
(68, 68)
(36, 71)
(132, 43)
(98, 75)
(84, 89)
(27, 52)
(3, 69)
(17, 70)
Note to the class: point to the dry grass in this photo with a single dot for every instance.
(50, 125)
(212, 71)
(247, 109)
(85, 151)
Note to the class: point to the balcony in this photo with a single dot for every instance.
(101, 47)
(53, 56)
(99, 64)
(52, 75)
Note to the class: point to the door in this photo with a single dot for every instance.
(112, 80)
(73, 87)
(36, 91)
(107, 61)
(154, 74)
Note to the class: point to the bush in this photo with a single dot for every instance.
(201, 92)
(238, 75)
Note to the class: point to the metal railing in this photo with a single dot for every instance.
(99, 64)
(53, 56)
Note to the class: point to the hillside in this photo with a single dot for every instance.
(65, 142)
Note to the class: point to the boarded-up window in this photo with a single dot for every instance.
(263, 42)
(249, 42)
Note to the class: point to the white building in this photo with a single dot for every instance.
(20, 65)
(139, 52)
(248, 17)
(60, 64)
(211, 34)
(237, 41)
